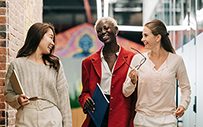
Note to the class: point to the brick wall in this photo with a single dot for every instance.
(16, 16)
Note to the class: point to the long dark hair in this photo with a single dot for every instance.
(33, 38)
(158, 27)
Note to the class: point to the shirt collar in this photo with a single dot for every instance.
(163, 66)
(102, 56)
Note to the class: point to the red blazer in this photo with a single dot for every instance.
(120, 108)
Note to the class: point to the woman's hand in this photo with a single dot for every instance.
(89, 105)
(133, 76)
(23, 100)
(180, 111)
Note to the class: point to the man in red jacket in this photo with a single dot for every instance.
(107, 67)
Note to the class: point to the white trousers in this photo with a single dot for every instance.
(141, 120)
(39, 113)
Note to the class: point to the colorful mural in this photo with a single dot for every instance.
(68, 42)
(82, 40)
(72, 46)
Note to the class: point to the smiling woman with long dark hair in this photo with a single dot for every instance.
(46, 100)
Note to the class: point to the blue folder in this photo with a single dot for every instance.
(101, 105)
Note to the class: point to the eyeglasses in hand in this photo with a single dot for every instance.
(141, 62)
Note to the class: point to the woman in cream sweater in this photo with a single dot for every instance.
(41, 76)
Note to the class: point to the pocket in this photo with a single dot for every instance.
(171, 120)
(56, 117)
(20, 117)
(174, 118)
(19, 113)
(138, 120)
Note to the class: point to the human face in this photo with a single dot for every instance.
(46, 43)
(106, 32)
(150, 41)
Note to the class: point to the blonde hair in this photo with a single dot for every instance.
(109, 19)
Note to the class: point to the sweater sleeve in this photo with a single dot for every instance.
(9, 93)
(184, 84)
(63, 102)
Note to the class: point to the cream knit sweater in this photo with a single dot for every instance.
(41, 81)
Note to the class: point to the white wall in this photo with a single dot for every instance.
(199, 80)
(188, 54)
(193, 58)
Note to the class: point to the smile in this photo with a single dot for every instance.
(105, 37)
(50, 47)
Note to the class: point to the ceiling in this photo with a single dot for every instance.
(65, 14)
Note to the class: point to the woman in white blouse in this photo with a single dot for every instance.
(154, 74)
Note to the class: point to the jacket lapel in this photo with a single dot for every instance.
(120, 60)
(96, 62)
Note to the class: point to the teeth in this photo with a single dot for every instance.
(105, 37)
(50, 47)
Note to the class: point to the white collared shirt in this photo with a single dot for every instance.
(106, 74)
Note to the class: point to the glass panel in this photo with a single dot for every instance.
(186, 33)
(127, 12)
(199, 16)
(193, 24)
(167, 12)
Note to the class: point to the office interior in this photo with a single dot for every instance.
(184, 21)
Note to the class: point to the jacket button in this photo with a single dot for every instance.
(111, 97)
(110, 109)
